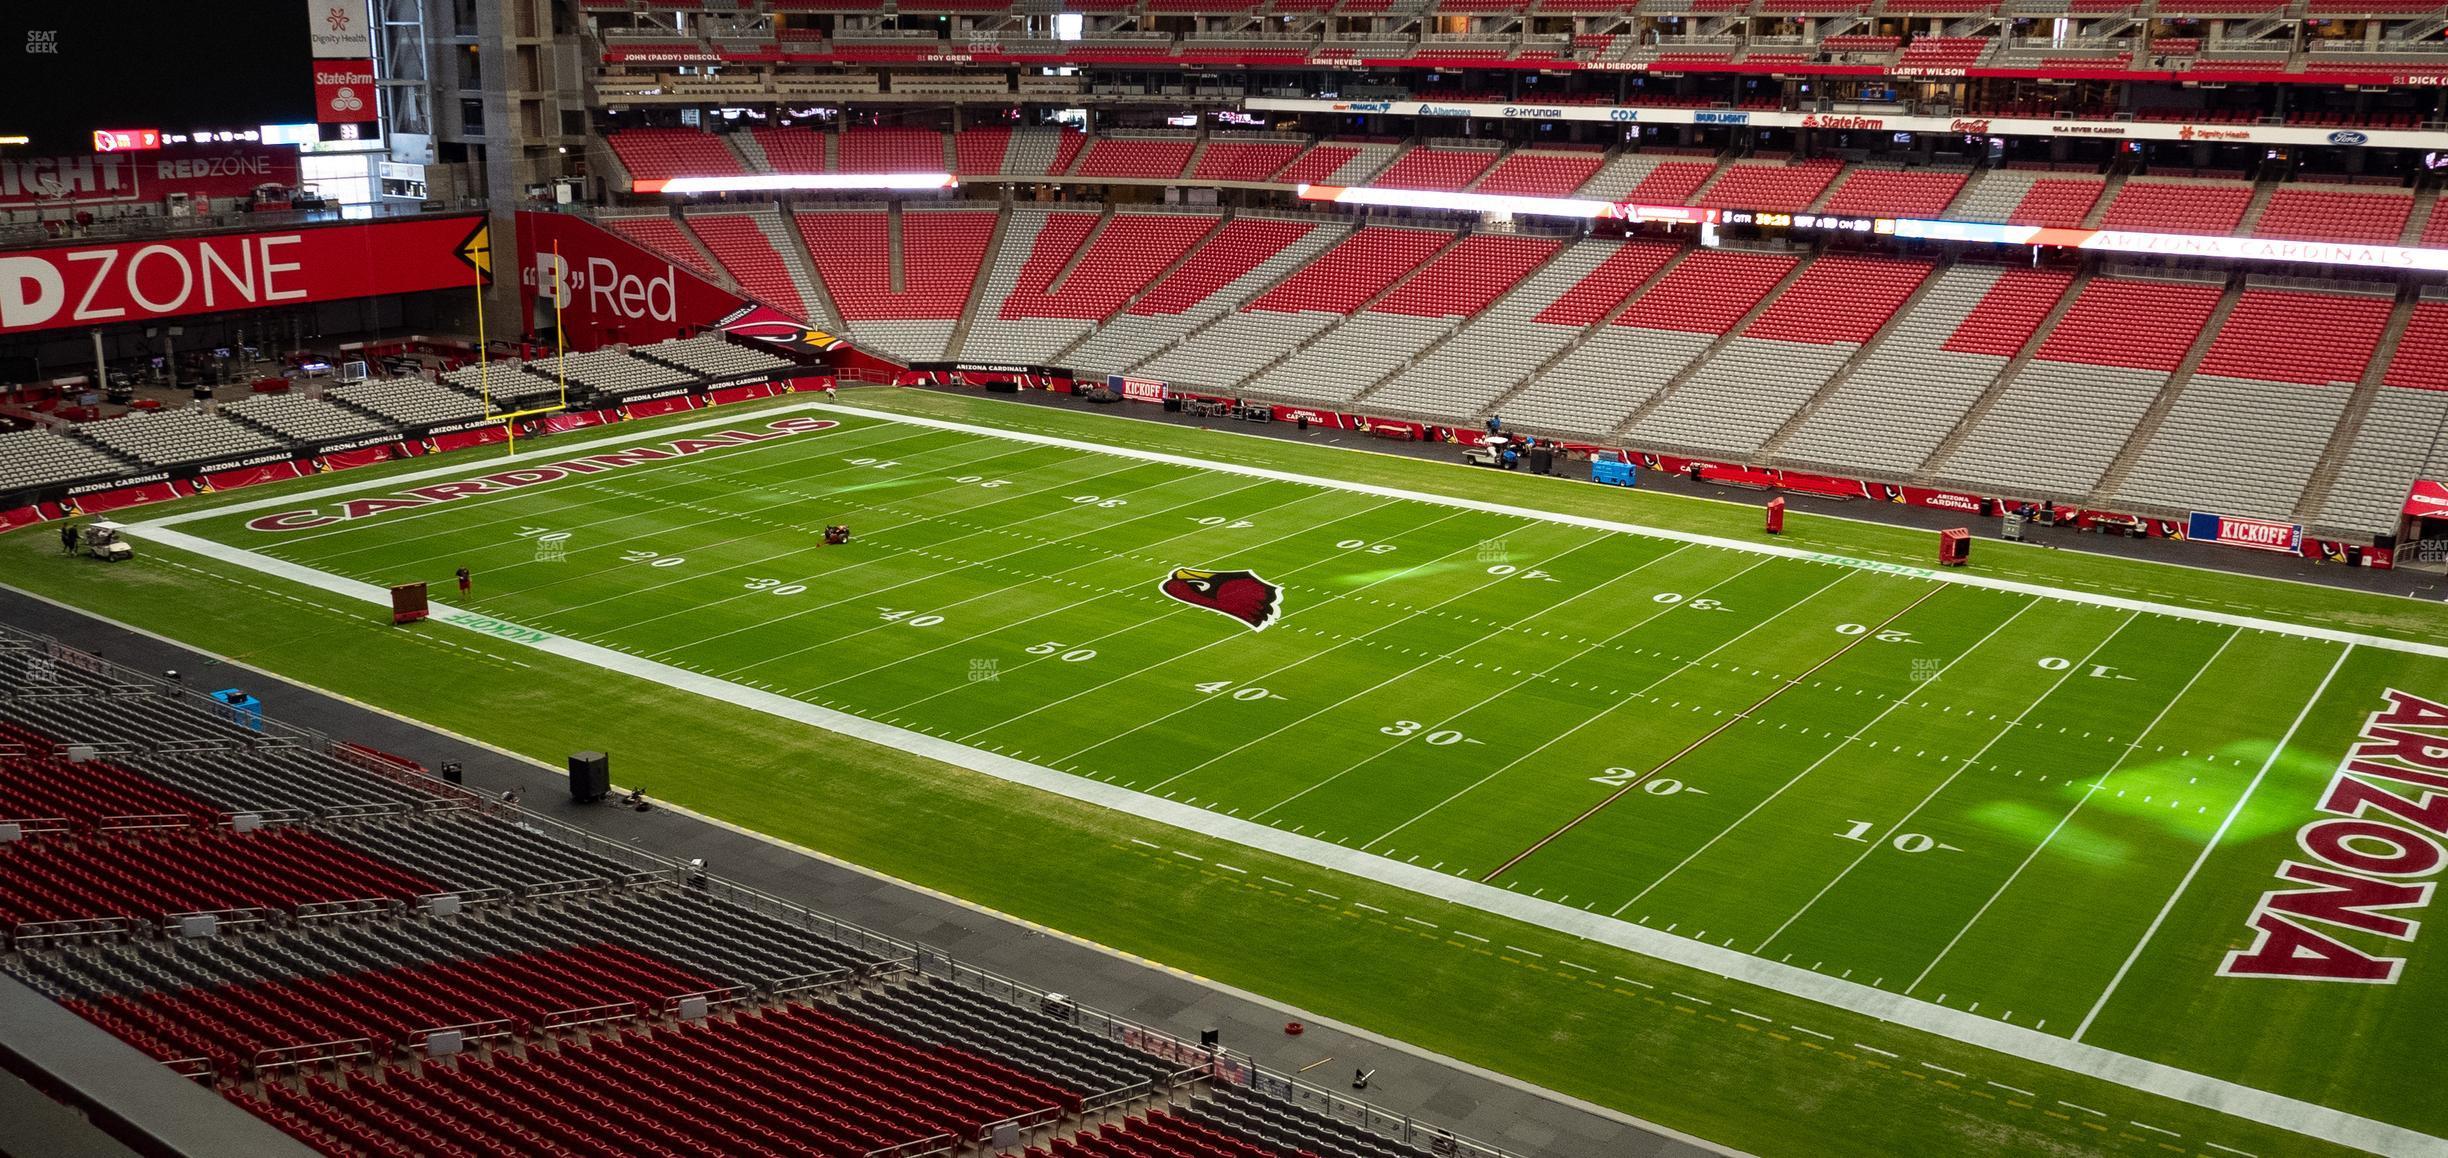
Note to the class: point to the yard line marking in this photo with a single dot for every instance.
(1687, 997)
(1101, 561)
(1355, 766)
(2289, 1113)
(1755, 1016)
(630, 594)
(1261, 676)
(987, 562)
(2210, 846)
(1219, 641)
(1940, 1069)
(1267, 879)
(1812, 1032)
(1602, 713)
(1525, 952)
(2084, 1109)
(1369, 907)
(1163, 615)
(2300, 630)
(1460, 933)
(2231, 1150)
(1142, 843)
(2062, 821)
(1873, 846)
(2154, 1129)
(1328, 896)
(2011, 1089)
(1231, 869)
(1417, 921)
(740, 479)
(1813, 766)
(1873, 1049)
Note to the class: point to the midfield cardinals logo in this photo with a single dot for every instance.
(1240, 594)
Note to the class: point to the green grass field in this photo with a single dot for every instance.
(1959, 809)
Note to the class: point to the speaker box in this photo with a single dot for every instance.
(590, 776)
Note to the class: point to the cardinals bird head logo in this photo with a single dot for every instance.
(1240, 594)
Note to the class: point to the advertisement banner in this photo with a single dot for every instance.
(1888, 123)
(1136, 389)
(336, 29)
(610, 290)
(2428, 500)
(2258, 534)
(114, 283)
(121, 178)
(344, 91)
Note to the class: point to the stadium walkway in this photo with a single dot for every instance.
(1498, 1110)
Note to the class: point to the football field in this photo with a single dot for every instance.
(2045, 821)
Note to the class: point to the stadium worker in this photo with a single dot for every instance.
(465, 580)
(68, 538)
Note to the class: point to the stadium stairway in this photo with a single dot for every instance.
(1863, 354)
(1211, 284)
(1064, 356)
(2313, 508)
(2107, 197)
(2107, 361)
(1731, 403)
(1938, 358)
(2426, 203)
(792, 244)
(2130, 454)
(2259, 204)
(1716, 346)
(2263, 406)
(1479, 347)
(1291, 359)
(1606, 317)
(978, 286)
(1978, 412)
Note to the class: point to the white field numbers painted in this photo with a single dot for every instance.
(1099, 502)
(908, 617)
(1890, 635)
(1441, 738)
(1662, 786)
(1858, 831)
(981, 481)
(877, 463)
(1509, 571)
(1226, 522)
(775, 587)
(1701, 604)
(652, 558)
(2099, 671)
(541, 534)
(1246, 693)
(1365, 545)
(1063, 651)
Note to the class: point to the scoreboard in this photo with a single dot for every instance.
(86, 77)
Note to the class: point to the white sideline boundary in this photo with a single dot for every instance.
(572, 450)
(2227, 1097)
